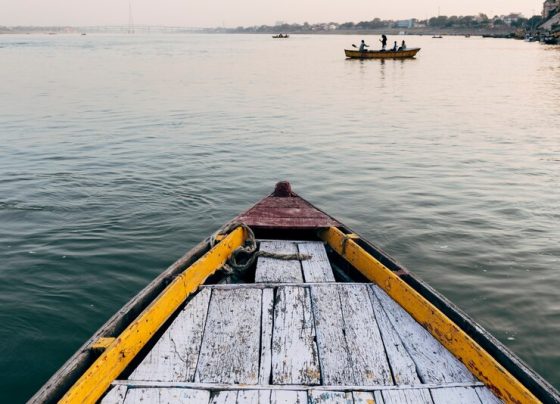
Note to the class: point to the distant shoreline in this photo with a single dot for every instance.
(378, 31)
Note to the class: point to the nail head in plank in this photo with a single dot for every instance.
(274, 270)
(294, 352)
(434, 362)
(455, 395)
(231, 342)
(317, 268)
(365, 346)
(174, 356)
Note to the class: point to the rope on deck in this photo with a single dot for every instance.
(243, 257)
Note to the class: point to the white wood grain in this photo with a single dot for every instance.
(378, 396)
(294, 352)
(486, 396)
(248, 397)
(115, 396)
(167, 396)
(267, 316)
(336, 367)
(224, 397)
(324, 397)
(363, 397)
(434, 363)
(402, 365)
(273, 270)
(231, 344)
(455, 395)
(317, 268)
(365, 346)
(407, 397)
(288, 397)
(174, 356)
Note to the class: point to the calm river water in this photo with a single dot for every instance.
(119, 153)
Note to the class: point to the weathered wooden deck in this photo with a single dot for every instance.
(297, 336)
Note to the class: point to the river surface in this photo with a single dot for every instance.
(119, 153)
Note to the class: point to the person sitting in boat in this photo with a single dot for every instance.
(395, 47)
(383, 41)
(363, 46)
(403, 46)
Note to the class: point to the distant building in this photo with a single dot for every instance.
(404, 24)
(550, 7)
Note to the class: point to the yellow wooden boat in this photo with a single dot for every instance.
(287, 304)
(381, 54)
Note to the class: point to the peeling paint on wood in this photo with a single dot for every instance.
(294, 352)
(231, 345)
(175, 355)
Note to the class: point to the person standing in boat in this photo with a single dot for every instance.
(383, 41)
(363, 46)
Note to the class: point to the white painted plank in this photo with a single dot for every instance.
(317, 268)
(363, 397)
(288, 397)
(184, 396)
(231, 344)
(265, 397)
(378, 397)
(115, 396)
(434, 363)
(420, 396)
(294, 352)
(323, 397)
(486, 396)
(146, 395)
(402, 365)
(336, 367)
(273, 270)
(173, 358)
(248, 397)
(365, 346)
(224, 397)
(267, 317)
(455, 395)
(166, 396)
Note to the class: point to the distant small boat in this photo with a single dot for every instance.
(382, 54)
(280, 36)
(437, 37)
(468, 36)
(83, 33)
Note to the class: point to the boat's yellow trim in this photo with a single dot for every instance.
(473, 356)
(102, 343)
(93, 383)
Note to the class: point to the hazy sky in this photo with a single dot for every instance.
(208, 13)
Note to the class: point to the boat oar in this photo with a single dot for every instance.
(354, 46)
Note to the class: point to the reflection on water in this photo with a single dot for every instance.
(119, 153)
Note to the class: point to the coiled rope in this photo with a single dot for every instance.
(244, 256)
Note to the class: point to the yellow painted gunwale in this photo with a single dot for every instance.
(95, 381)
(472, 355)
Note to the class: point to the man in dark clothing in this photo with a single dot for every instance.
(383, 41)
